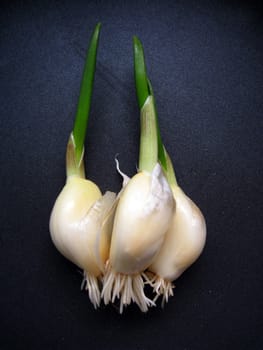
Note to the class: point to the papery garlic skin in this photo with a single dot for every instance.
(77, 224)
(184, 241)
(142, 218)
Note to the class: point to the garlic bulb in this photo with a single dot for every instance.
(81, 223)
(184, 242)
(143, 215)
(70, 215)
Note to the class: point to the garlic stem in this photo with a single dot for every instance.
(161, 149)
(74, 166)
(148, 141)
(169, 172)
(142, 88)
(144, 91)
(81, 120)
(148, 156)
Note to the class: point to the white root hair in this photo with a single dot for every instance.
(161, 287)
(127, 288)
(91, 284)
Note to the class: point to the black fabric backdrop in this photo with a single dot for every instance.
(205, 63)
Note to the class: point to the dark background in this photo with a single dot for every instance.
(205, 62)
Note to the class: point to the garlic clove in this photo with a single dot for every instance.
(142, 218)
(183, 244)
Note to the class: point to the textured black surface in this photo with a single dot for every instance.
(205, 63)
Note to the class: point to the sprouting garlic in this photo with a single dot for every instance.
(81, 224)
(186, 235)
